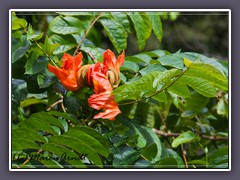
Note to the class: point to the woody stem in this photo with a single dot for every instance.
(86, 33)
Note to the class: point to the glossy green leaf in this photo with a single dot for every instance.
(209, 73)
(124, 157)
(18, 23)
(131, 66)
(66, 43)
(122, 18)
(92, 142)
(172, 61)
(19, 48)
(32, 36)
(134, 130)
(30, 101)
(185, 137)
(64, 115)
(147, 24)
(64, 154)
(45, 79)
(45, 117)
(35, 64)
(180, 90)
(202, 86)
(156, 25)
(28, 134)
(78, 145)
(196, 103)
(152, 67)
(115, 32)
(67, 25)
(151, 137)
(21, 143)
(139, 27)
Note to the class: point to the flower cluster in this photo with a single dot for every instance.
(102, 77)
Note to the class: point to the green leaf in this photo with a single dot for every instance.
(28, 134)
(78, 145)
(156, 25)
(96, 135)
(35, 64)
(92, 142)
(45, 79)
(185, 137)
(18, 23)
(31, 35)
(202, 86)
(151, 68)
(67, 25)
(133, 129)
(124, 157)
(128, 65)
(122, 18)
(64, 115)
(151, 137)
(45, 117)
(19, 48)
(30, 101)
(139, 26)
(210, 61)
(20, 144)
(209, 73)
(48, 47)
(172, 61)
(180, 90)
(147, 24)
(176, 156)
(196, 103)
(64, 154)
(115, 32)
(65, 43)
(94, 51)
(145, 86)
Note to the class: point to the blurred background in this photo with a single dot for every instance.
(202, 32)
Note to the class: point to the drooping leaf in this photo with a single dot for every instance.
(172, 61)
(156, 25)
(128, 65)
(122, 18)
(19, 48)
(115, 32)
(21, 143)
(139, 27)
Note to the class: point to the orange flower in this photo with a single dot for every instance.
(109, 60)
(67, 74)
(102, 99)
(113, 65)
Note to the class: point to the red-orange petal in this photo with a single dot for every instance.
(109, 114)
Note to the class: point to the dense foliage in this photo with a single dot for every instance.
(174, 106)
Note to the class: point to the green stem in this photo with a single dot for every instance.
(157, 92)
(44, 52)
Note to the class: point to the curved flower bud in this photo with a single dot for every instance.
(67, 74)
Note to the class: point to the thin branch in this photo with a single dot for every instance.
(44, 52)
(54, 104)
(86, 33)
(184, 156)
(213, 138)
(161, 90)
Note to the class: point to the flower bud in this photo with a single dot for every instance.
(81, 75)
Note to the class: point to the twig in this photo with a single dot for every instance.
(161, 90)
(44, 52)
(86, 33)
(184, 156)
(92, 57)
(54, 104)
(213, 138)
